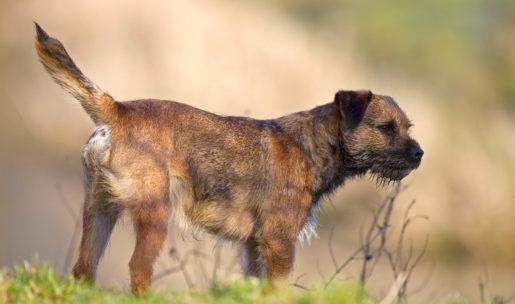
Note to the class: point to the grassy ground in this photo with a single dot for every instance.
(40, 284)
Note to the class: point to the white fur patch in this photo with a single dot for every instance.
(180, 197)
(309, 230)
(97, 146)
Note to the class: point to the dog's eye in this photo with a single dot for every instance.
(388, 127)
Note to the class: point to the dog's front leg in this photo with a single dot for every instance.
(281, 223)
(279, 255)
(252, 262)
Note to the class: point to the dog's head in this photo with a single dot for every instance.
(375, 134)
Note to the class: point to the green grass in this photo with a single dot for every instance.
(40, 284)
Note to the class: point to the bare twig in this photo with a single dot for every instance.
(376, 231)
(158, 276)
(320, 273)
(330, 245)
(394, 290)
(181, 266)
(399, 263)
(482, 296)
(425, 281)
(485, 294)
(77, 223)
(297, 284)
(344, 264)
(64, 202)
(379, 225)
(403, 259)
(71, 245)
(203, 270)
(216, 265)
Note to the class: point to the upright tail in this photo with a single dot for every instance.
(100, 106)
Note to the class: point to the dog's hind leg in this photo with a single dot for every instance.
(151, 225)
(252, 262)
(99, 219)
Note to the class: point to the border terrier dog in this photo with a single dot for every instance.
(255, 182)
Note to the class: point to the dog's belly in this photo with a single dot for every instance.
(231, 220)
(127, 178)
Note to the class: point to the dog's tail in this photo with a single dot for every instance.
(99, 105)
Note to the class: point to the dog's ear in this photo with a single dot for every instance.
(352, 106)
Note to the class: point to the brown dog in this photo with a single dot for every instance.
(256, 182)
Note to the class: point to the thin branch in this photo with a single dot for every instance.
(425, 281)
(181, 266)
(394, 290)
(75, 218)
(330, 245)
(71, 246)
(351, 258)
(64, 203)
(481, 286)
(297, 284)
(164, 273)
(216, 264)
(320, 273)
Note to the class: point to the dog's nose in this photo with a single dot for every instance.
(417, 152)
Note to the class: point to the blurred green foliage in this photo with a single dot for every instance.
(39, 284)
(463, 48)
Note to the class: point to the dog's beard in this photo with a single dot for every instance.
(389, 170)
(386, 175)
(385, 169)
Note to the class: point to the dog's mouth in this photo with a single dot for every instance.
(386, 174)
(389, 167)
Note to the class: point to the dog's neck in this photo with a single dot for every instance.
(318, 134)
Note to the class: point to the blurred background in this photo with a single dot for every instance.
(449, 64)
